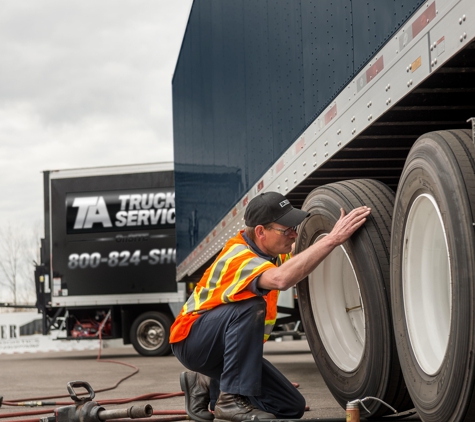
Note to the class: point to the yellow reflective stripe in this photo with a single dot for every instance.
(221, 275)
(269, 326)
(280, 261)
(225, 257)
(224, 271)
(188, 303)
(198, 298)
(237, 285)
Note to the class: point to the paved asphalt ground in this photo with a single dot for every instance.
(26, 376)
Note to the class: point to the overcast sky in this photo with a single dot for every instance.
(83, 83)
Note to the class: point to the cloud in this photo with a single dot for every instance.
(83, 84)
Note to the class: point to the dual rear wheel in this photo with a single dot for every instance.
(398, 297)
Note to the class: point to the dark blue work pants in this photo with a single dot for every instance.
(226, 344)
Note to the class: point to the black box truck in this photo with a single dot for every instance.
(108, 256)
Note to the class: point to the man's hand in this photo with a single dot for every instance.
(348, 224)
(301, 265)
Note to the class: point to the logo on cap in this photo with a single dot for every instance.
(284, 203)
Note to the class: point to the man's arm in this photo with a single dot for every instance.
(302, 264)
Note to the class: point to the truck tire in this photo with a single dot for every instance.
(432, 275)
(345, 304)
(149, 334)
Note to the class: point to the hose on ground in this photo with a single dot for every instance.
(45, 400)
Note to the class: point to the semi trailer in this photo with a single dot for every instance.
(337, 104)
(108, 256)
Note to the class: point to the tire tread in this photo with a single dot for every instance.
(352, 194)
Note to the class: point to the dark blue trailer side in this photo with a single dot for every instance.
(250, 78)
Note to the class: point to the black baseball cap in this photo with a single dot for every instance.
(272, 207)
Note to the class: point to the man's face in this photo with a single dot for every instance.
(278, 239)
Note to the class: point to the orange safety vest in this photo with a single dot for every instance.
(225, 281)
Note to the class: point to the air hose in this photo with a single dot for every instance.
(176, 415)
(352, 408)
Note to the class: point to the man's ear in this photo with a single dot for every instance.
(260, 232)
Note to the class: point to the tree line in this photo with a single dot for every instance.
(19, 253)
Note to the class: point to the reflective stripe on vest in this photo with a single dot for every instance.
(226, 281)
(271, 313)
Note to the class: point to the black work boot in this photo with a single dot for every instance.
(237, 408)
(196, 389)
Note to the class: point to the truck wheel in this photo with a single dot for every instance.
(432, 275)
(345, 304)
(149, 334)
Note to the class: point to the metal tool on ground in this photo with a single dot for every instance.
(85, 409)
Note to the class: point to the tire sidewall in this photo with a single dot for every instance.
(428, 171)
(164, 321)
